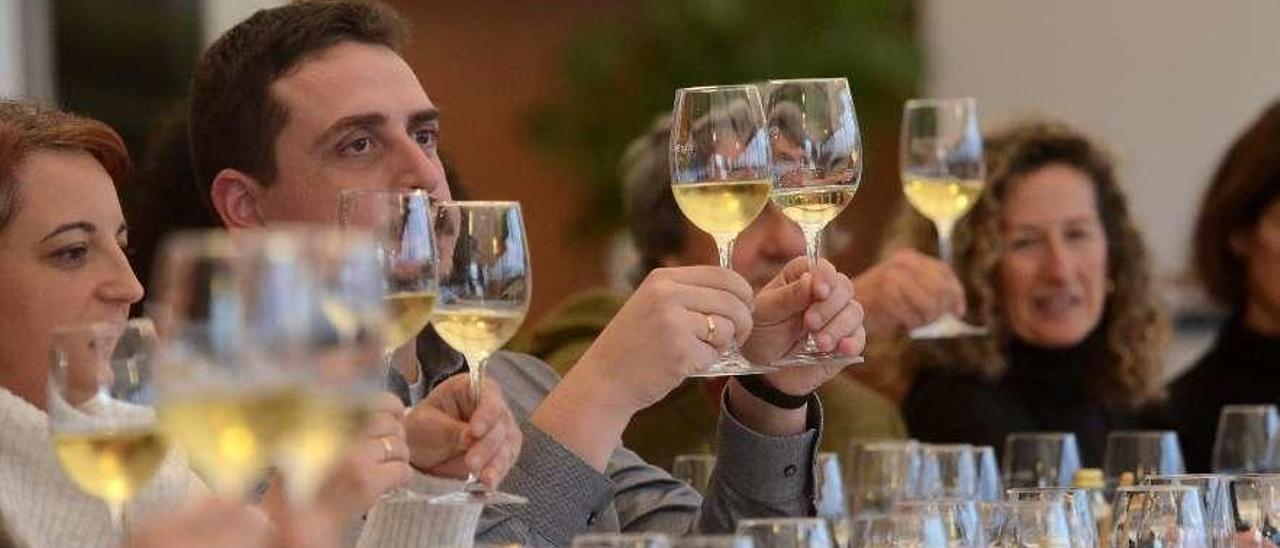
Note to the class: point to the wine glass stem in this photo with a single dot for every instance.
(812, 240)
(116, 510)
(725, 245)
(944, 242)
(475, 381)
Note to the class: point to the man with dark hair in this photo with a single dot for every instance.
(300, 101)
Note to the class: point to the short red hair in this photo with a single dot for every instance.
(26, 127)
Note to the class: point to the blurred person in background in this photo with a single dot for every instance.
(1236, 255)
(684, 421)
(1057, 271)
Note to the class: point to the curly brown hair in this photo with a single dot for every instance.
(1135, 327)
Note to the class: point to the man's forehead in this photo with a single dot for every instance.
(350, 79)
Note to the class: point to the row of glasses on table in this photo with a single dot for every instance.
(733, 152)
(749, 533)
(264, 349)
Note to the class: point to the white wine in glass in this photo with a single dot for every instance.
(401, 223)
(103, 429)
(942, 176)
(817, 165)
(484, 289)
(721, 177)
(235, 314)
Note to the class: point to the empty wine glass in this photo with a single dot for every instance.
(1244, 438)
(1025, 523)
(787, 532)
(881, 472)
(1141, 453)
(947, 470)
(100, 420)
(1040, 459)
(988, 479)
(960, 519)
(1214, 492)
(1075, 502)
(1158, 515)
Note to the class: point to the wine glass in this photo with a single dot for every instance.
(712, 541)
(400, 220)
(989, 487)
(721, 178)
(942, 177)
(960, 520)
(343, 351)
(881, 472)
(224, 320)
(948, 470)
(817, 165)
(485, 284)
(1244, 437)
(1158, 515)
(1075, 501)
(100, 420)
(1018, 523)
(1141, 453)
(1040, 459)
(787, 532)
(1219, 523)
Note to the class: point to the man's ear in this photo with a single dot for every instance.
(1241, 242)
(235, 197)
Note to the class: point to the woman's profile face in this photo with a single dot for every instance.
(1053, 273)
(62, 262)
(1259, 250)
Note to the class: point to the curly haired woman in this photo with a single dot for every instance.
(1053, 265)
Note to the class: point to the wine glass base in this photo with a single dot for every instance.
(402, 496)
(804, 359)
(731, 365)
(947, 327)
(481, 495)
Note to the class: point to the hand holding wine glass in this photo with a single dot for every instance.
(942, 176)
(485, 284)
(817, 164)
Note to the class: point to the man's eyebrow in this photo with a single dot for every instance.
(424, 116)
(371, 119)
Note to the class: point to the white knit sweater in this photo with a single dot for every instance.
(44, 509)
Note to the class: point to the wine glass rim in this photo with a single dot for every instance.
(398, 191)
(1264, 407)
(479, 203)
(946, 447)
(808, 80)
(1041, 435)
(938, 101)
(715, 87)
(1156, 488)
(781, 521)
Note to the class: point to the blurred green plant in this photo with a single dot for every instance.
(617, 76)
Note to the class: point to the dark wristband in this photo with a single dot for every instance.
(761, 389)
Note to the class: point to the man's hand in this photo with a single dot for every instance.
(447, 439)
(676, 323)
(800, 299)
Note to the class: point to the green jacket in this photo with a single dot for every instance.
(685, 421)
